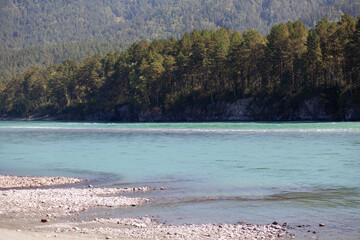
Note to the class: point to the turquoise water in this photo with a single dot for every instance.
(299, 173)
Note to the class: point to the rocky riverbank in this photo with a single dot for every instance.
(148, 228)
(247, 109)
(7, 182)
(64, 201)
(56, 211)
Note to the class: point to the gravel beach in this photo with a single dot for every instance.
(51, 213)
(7, 182)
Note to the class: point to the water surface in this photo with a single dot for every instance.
(299, 173)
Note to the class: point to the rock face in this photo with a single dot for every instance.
(239, 111)
(352, 115)
(310, 110)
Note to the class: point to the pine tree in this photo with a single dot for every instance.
(353, 59)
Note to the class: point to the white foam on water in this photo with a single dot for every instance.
(188, 130)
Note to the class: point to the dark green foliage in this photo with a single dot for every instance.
(13, 62)
(169, 77)
(33, 22)
(45, 32)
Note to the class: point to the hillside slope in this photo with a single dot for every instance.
(32, 23)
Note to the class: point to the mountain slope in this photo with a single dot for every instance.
(33, 23)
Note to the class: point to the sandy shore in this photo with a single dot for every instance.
(52, 213)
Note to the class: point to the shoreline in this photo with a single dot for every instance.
(29, 212)
(56, 119)
(10, 182)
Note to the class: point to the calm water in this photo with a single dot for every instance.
(299, 173)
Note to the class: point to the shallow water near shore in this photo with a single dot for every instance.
(299, 173)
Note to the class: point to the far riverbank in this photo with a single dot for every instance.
(242, 110)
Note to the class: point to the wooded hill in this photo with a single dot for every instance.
(48, 29)
(165, 77)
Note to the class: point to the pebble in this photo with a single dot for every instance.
(44, 220)
(322, 225)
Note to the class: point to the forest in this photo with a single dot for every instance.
(42, 33)
(165, 77)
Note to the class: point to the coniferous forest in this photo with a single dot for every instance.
(202, 75)
(42, 33)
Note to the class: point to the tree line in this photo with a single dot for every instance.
(287, 66)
